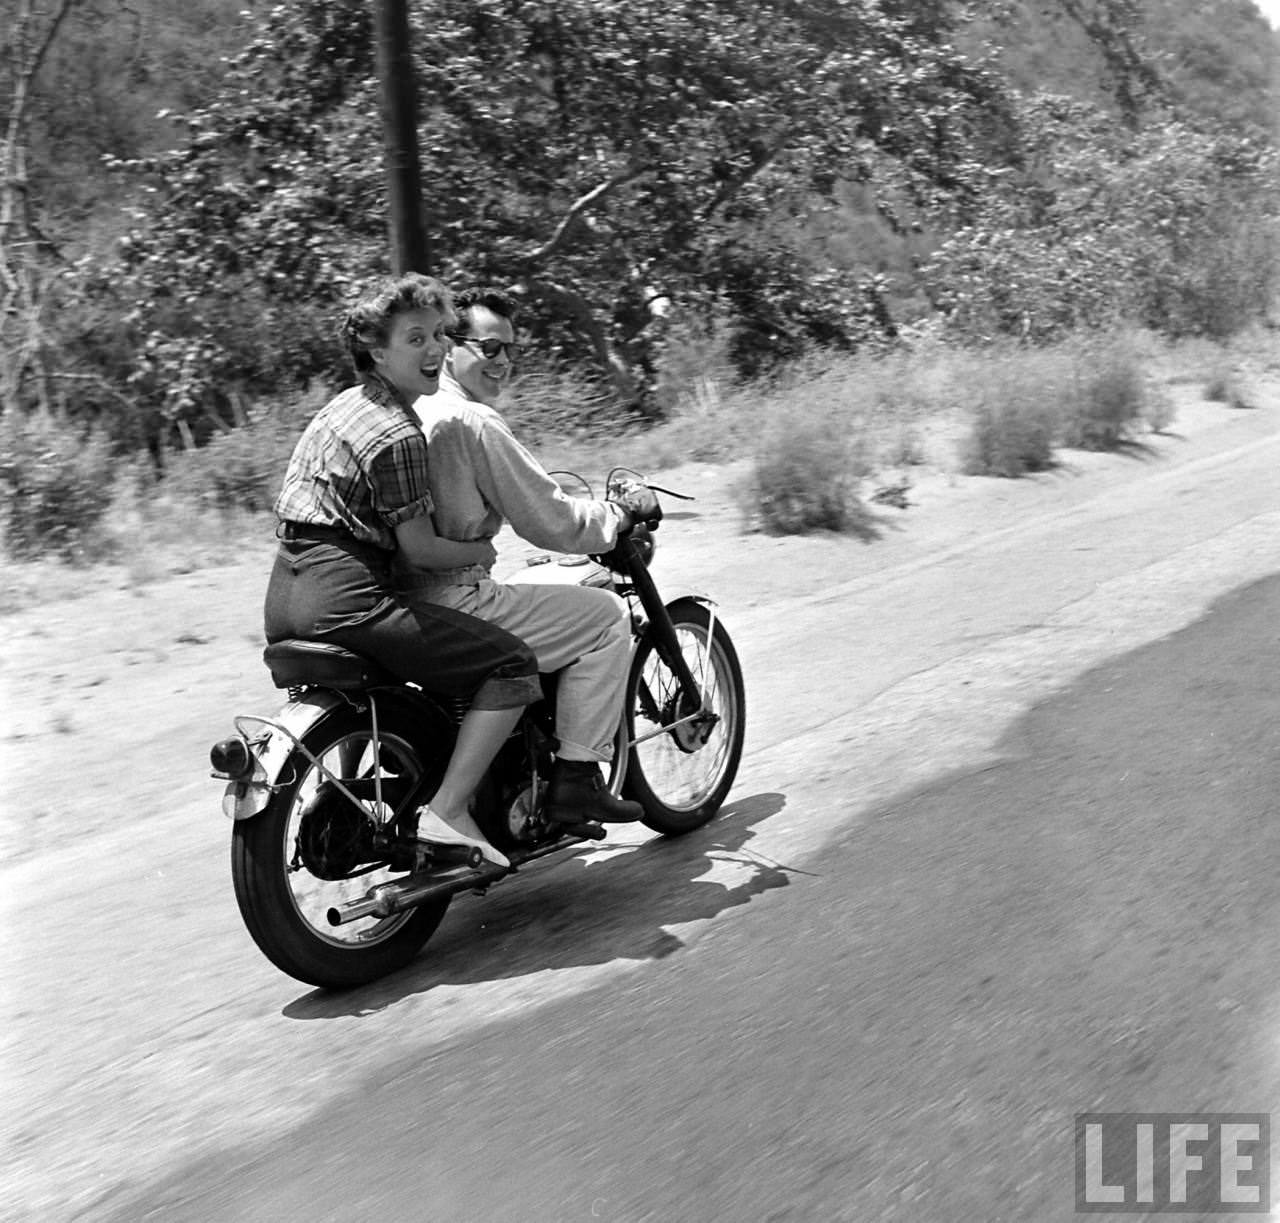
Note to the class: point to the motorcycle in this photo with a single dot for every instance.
(331, 883)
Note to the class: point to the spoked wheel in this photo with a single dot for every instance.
(684, 753)
(312, 849)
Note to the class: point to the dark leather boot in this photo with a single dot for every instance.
(577, 795)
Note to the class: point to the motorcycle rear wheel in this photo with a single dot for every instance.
(285, 905)
(678, 771)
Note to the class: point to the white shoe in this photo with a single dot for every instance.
(432, 828)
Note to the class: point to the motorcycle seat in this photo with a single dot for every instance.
(298, 664)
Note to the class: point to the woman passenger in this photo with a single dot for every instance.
(354, 496)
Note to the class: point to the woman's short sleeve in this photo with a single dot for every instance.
(398, 479)
(415, 509)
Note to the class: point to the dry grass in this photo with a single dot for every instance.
(1225, 372)
(810, 459)
(147, 534)
(819, 443)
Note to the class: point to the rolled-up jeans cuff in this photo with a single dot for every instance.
(507, 692)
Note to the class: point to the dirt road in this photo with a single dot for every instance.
(151, 1051)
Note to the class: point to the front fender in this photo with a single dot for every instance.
(271, 740)
(690, 596)
(640, 621)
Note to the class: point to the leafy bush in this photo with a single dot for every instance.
(1159, 411)
(1089, 393)
(1107, 398)
(1009, 438)
(1164, 225)
(1223, 382)
(1236, 275)
(1011, 396)
(55, 485)
(807, 468)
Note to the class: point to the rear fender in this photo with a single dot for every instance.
(271, 740)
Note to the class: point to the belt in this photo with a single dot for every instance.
(312, 530)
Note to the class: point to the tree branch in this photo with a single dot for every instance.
(579, 206)
(25, 73)
(100, 382)
(573, 304)
(732, 186)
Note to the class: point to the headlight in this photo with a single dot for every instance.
(618, 559)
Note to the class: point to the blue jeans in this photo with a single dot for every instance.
(340, 592)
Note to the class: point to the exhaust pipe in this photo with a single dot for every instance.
(387, 899)
(390, 898)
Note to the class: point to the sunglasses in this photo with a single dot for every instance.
(489, 348)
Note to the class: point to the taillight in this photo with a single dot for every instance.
(231, 758)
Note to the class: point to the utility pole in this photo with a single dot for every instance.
(405, 222)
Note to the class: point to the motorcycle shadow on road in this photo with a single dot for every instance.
(595, 905)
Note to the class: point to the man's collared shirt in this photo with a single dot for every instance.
(481, 476)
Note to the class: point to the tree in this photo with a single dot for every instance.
(21, 272)
(82, 78)
(629, 168)
(598, 157)
(1171, 227)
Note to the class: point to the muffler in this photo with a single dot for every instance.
(390, 898)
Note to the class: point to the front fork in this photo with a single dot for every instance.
(692, 698)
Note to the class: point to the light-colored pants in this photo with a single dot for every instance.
(581, 631)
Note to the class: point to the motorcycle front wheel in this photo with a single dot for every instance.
(683, 754)
(311, 849)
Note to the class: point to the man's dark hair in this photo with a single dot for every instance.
(498, 301)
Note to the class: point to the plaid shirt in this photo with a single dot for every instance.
(360, 465)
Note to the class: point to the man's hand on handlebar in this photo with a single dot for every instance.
(639, 505)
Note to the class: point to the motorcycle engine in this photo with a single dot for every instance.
(523, 823)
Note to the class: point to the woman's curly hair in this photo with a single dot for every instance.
(367, 324)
